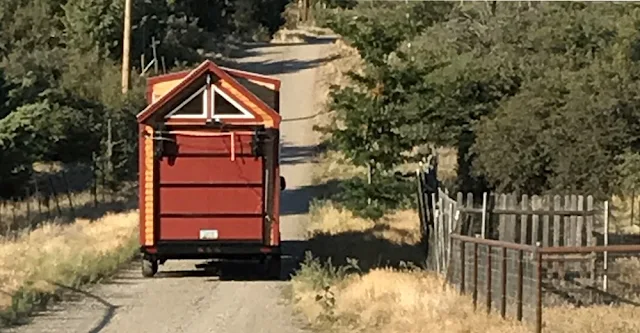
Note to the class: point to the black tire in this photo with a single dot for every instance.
(149, 267)
(274, 268)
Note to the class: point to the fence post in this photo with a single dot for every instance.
(28, 202)
(436, 232)
(538, 256)
(489, 279)
(55, 195)
(442, 240)
(475, 276)
(462, 266)
(605, 278)
(503, 283)
(519, 290)
(449, 233)
(483, 232)
(421, 213)
(68, 192)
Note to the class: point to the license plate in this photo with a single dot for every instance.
(208, 234)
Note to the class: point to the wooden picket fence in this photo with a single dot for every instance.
(546, 221)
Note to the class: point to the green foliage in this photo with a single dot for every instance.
(4, 95)
(629, 170)
(376, 122)
(90, 24)
(536, 97)
(60, 92)
(373, 200)
(376, 32)
(320, 276)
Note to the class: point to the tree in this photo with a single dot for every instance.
(536, 98)
(90, 24)
(372, 117)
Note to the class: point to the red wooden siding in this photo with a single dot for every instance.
(215, 199)
(229, 228)
(211, 169)
(201, 187)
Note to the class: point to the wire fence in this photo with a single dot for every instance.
(64, 195)
(510, 279)
(500, 278)
(527, 278)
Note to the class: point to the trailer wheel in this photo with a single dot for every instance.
(274, 267)
(149, 267)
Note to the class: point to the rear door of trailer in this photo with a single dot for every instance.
(211, 187)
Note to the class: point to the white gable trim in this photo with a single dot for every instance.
(173, 112)
(245, 114)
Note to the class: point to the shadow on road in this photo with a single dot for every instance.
(297, 154)
(282, 66)
(109, 309)
(297, 201)
(293, 252)
(72, 294)
(251, 49)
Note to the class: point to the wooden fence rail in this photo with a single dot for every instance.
(547, 221)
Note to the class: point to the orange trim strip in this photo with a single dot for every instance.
(148, 188)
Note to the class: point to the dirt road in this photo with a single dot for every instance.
(182, 299)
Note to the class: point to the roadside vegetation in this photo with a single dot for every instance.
(62, 114)
(44, 264)
(535, 98)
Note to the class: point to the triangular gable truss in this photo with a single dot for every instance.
(244, 113)
(208, 106)
(164, 81)
(246, 98)
(175, 113)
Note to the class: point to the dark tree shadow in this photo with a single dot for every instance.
(282, 66)
(251, 49)
(297, 154)
(297, 201)
(70, 295)
(109, 312)
(367, 247)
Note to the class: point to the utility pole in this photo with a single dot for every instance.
(126, 46)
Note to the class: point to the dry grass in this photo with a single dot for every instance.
(595, 319)
(447, 163)
(358, 280)
(378, 299)
(37, 263)
(289, 36)
(401, 227)
(382, 299)
(335, 234)
(386, 300)
(332, 165)
(297, 35)
(625, 215)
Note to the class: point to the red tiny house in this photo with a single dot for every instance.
(209, 167)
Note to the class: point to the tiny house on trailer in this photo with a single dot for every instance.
(209, 168)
